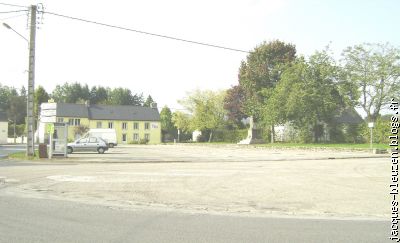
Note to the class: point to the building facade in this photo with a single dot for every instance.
(131, 123)
(3, 128)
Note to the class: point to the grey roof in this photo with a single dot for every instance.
(72, 110)
(3, 116)
(108, 112)
(349, 116)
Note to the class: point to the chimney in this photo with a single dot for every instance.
(87, 103)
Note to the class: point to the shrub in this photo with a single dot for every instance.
(380, 132)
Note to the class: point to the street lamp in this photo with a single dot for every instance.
(9, 27)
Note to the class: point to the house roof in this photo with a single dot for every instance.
(349, 116)
(3, 116)
(108, 112)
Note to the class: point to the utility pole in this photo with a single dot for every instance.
(30, 145)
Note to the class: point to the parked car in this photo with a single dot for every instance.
(108, 135)
(88, 144)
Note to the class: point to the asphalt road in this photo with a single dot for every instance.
(39, 220)
(8, 149)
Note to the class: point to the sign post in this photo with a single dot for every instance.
(370, 125)
(50, 131)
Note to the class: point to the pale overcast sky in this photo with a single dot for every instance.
(69, 50)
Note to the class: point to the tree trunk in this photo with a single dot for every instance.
(272, 134)
(210, 138)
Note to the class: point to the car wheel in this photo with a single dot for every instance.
(111, 145)
(69, 150)
(100, 150)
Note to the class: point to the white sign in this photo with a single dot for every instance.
(370, 124)
(48, 119)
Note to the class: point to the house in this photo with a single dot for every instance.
(3, 128)
(131, 123)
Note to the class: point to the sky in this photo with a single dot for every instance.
(73, 51)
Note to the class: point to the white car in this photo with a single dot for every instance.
(88, 144)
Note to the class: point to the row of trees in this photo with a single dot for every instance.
(278, 87)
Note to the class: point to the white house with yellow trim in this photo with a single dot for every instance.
(131, 123)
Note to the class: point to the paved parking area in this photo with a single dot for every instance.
(214, 179)
(214, 153)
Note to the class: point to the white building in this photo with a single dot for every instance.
(3, 128)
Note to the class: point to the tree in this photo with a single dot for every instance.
(306, 96)
(71, 93)
(81, 130)
(233, 104)
(372, 75)
(40, 96)
(167, 127)
(5, 95)
(98, 95)
(148, 101)
(181, 121)
(207, 108)
(166, 119)
(16, 113)
(262, 71)
(120, 96)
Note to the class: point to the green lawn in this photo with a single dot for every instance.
(22, 155)
(325, 145)
(308, 145)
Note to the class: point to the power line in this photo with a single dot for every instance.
(13, 5)
(15, 11)
(144, 32)
(11, 17)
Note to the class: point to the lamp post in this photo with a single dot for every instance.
(30, 145)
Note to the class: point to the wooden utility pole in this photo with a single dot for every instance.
(30, 146)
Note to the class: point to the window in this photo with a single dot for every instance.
(147, 136)
(123, 137)
(136, 126)
(124, 126)
(98, 124)
(136, 137)
(92, 140)
(83, 140)
(77, 122)
(147, 126)
(71, 122)
(110, 125)
(60, 119)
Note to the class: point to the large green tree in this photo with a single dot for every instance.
(207, 108)
(372, 76)
(262, 71)
(307, 95)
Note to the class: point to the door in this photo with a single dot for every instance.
(81, 145)
(93, 144)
